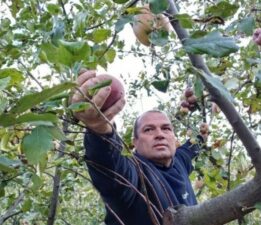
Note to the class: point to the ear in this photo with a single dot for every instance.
(134, 142)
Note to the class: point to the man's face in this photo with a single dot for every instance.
(156, 140)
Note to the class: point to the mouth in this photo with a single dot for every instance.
(159, 145)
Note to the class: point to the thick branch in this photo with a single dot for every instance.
(12, 209)
(220, 210)
(56, 184)
(225, 105)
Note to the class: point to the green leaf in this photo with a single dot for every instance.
(157, 7)
(79, 106)
(32, 100)
(198, 87)
(247, 25)
(101, 35)
(15, 75)
(37, 144)
(56, 133)
(53, 9)
(161, 85)
(122, 21)
(215, 83)
(185, 20)
(257, 81)
(76, 48)
(58, 30)
(4, 82)
(56, 55)
(8, 165)
(212, 44)
(223, 9)
(7, 120)
(232, 83)
(120, 1)
(79, 22)
(110, 55)
(37, 182)
(258, 206)
(26, 206)
(159, 37)
(92, 90)
(3, 104)
(66, 53)
(2, 191)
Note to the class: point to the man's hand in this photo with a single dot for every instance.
(92, 118)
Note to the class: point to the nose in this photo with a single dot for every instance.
(159, 134)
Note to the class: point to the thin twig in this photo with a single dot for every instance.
(31, 75)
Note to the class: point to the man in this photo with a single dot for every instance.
(136, 190)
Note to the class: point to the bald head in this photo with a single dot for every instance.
(139, 118)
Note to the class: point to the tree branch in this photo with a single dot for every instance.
(225, 105)
(240, 201)
(219, 210)
(11, 210)
(56, 184)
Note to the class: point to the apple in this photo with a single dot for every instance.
(117, 91)
(184, 104)
(192, 99)
(204, 128)
(146, 22)
(214, 108)
(199, 183)
(189, 92)
(184, 110)
(257, 36)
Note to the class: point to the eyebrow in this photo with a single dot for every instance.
(162, 125)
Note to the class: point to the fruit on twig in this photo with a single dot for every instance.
(117, 91)
(257, 36)
(190, 102)
(189, 92)
(204, 129)
(192, 99)
(184, 110)
(199, 183)
(146, 22)
(214, 108)
(184, 104)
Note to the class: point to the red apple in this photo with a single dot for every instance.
(117, 91)
(146, 22)
(184, 104)
(189, 92)
(192, 99)
(257, 36)
(204, 128)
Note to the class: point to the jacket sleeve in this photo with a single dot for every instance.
(187, 152)
(111, 172)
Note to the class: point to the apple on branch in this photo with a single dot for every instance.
(117, 91)
(257, 36)
(146, 22)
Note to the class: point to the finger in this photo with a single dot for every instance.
(100, 97)
(86, 75)
(111, 112)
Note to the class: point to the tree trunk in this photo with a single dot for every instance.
(240, 201)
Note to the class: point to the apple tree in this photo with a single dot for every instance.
(203, 57)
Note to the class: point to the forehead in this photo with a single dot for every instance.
(154, 118)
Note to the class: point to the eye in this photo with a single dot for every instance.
(147, 129)
(167, 128)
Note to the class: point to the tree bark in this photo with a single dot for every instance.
(12, 209)
(240, 201)
(56, 184)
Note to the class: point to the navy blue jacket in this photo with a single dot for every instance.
(117, 179)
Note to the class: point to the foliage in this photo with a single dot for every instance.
(43, 46)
